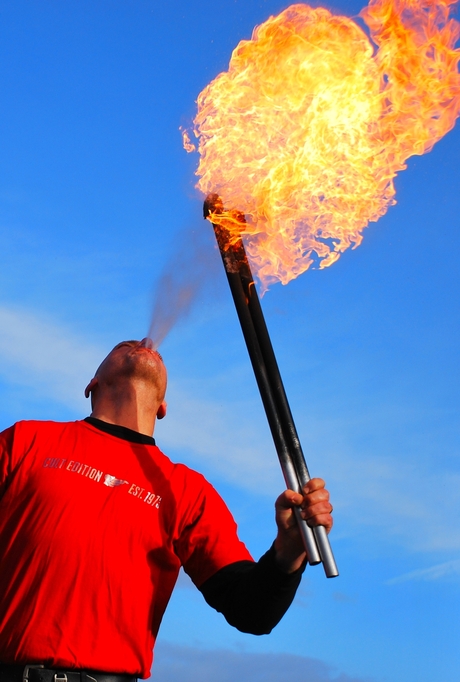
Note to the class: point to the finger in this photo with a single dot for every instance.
(313, 484)
(318, 514)
(288, 499)
(316, 497)
(313, 509)
(325, 520)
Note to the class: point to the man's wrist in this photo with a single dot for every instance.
(288, 560)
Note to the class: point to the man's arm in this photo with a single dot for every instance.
(253, 597)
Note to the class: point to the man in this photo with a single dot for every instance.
(95, 522)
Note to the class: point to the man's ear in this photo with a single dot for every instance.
(161, 412)
(92, 384)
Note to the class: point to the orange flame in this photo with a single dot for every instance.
(307, 129)
(186, 141)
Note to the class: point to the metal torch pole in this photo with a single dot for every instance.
(270, 385)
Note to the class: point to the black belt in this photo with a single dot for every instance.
(37, 673)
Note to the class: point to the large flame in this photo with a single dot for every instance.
(307, 129)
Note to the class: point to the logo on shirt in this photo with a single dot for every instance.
(93, 474)
(112, 482)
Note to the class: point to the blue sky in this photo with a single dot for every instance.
(96, 198)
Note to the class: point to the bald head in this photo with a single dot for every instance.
(130, 367)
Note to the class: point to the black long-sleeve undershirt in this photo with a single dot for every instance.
(253, 597)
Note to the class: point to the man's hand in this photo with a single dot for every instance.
(315, 509)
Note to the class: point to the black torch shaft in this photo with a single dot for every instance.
(270, 384)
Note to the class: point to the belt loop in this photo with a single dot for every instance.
(60, 677)
(25, 674)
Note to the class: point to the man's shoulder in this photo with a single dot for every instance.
(45, 424)
(182, 473)
(179, 468)
(32, 434)
(41, 426)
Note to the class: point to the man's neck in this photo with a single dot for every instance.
(129, 404)
(128, 414)
(120, 431)
(130, 420)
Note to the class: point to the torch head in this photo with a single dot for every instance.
(212, 204)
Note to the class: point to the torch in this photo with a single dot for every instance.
(305, 133)
(268, 378)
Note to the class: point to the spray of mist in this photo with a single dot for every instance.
(191, 266)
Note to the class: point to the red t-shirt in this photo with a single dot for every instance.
(93, 531)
